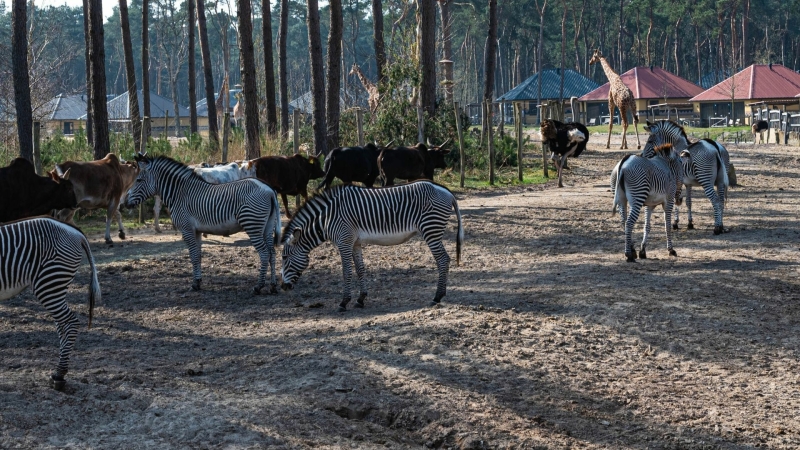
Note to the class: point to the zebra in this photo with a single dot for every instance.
(647, 182)
(45, 254)
(351, 216)
(197, 207)
(706, 163)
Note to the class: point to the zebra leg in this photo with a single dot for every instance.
(443, 265)
(677, 211)
(156, 214)
(630, 253)
(263, 239)
(722, 193)
(346, 252)
(194, 241)
(51, 290)
(668, 206)
(647, 213)
(358, 260)
(689, 224)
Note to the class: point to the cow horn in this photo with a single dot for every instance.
(64, 176)
(428, 142)
(446, 142)
(389, 144)
(59, 171)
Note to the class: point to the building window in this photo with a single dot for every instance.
(68, 128)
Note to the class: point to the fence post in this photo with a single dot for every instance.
(226, 129)
(544, 153)
(166, 124)
(518, 123)
(296, 145)
(460, 142)
(487, 105)
(360, 125)
(37, 149)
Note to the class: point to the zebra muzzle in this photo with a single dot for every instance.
(287, 286)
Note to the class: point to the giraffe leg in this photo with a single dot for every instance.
(610, 122)
(623, 115)
(636, 128)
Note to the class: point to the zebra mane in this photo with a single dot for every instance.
(302, 216)
(174, 166)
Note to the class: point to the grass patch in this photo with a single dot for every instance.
(479, 180)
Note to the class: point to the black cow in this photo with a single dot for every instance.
(411, 163)
(758, 128)
(25, 194)
(351, 164)
(288, 175)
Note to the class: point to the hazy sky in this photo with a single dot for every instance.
(108, 5)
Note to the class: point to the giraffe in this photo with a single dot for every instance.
(371, 88)
(621, 97)
(220, 102)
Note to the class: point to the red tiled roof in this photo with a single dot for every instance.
(757, 82)
(649, 84)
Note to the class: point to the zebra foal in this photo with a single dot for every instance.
(197, 207)
(352, 216)
(706, 164)
(647, 182)
(44, 254)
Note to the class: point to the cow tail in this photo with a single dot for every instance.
(327, 168)
(94, 287)
(460, 234)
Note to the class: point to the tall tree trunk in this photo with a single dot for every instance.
(173, 84)
(490, 55)
(146, 64)
(677, 46)
(269, 68)
(541, 12)
(317, 80)
(130, 75)
(22, 87)
(202, 31)
(563, 54)
(332, 97)
(427, 56)
(89, 118)
(697, 53)
(377, 34)
(98, 79)
(283, 30)
(447, 48)
(578, 25)
(746, 60)
(649, 33)
(247, 65)
(191, 17)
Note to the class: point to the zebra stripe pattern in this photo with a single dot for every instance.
(705, 164)
(647, 182)
(351, 216)
(198, 207)
(45, 254)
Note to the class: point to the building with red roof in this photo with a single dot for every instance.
(768, 86)
(654, 89)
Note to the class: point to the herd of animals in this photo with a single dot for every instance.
(44, 253)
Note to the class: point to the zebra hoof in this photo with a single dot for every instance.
(672, 252)
(110, 242)
(342, 309)
(690, 226)
(257, 290)
(57, 382)
(359, 305)
(157, 229)
(642, 254)
(631, 256)
(675, 226)
(718, 230)
(122, 235)
(273, 288)
(196, 285)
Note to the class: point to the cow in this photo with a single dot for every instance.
(411, 163)
(758, 128)
(25, 194)
(99, 184)
(288, 175)
(351, 164)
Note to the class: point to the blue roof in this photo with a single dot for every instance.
(575, 85)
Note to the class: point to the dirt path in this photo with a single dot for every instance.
(547, 337)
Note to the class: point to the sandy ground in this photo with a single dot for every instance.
(547, 338)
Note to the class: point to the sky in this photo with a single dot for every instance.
(108, 5)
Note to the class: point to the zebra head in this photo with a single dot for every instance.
(675, 163)
(294, 259)
(664, 132)
(145, 185)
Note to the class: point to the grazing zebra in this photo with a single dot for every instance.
(647, 182)
(351, 216)
(45, 254)
(706, 163)
(197, 207)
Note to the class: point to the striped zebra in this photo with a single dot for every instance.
(45, 254)
(647, 182)
(351, 217)
(197, 207)
(706, 164)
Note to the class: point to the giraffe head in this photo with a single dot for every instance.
(354, 70)
(596, 57)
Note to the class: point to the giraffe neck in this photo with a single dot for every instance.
(610, 74)
(367, 84)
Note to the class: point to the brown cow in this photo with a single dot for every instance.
(288, 175)
(99, 184)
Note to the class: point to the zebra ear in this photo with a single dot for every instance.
(295, 236)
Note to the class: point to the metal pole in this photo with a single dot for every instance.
(360, 125)
(226, 129)
(488, 107)
(518, 123)
(37, 149)
(460, 142)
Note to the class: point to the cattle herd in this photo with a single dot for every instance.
(45, 253)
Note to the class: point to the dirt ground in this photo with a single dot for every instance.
(547, 338)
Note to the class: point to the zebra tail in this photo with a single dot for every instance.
(276, 209)
(94, 287)
(723, 167)
(460, 234)
(618, 186)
